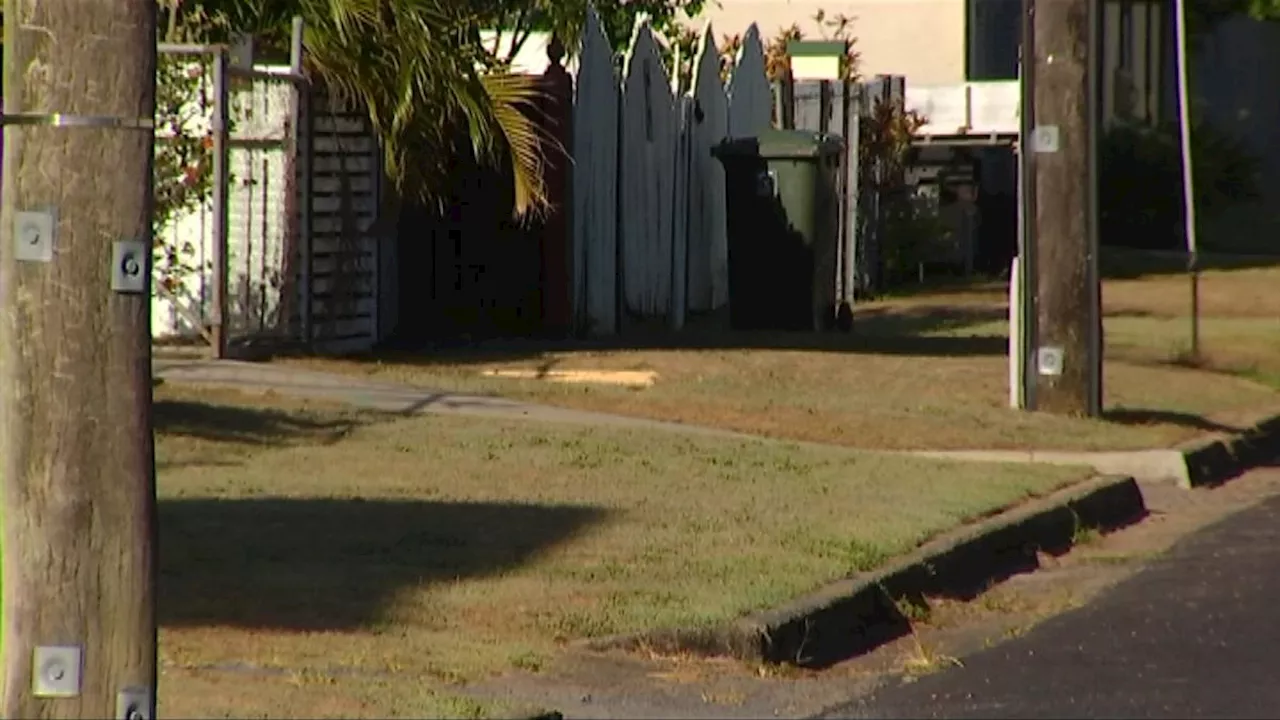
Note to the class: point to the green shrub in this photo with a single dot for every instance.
(914, 232)
(1140, 182)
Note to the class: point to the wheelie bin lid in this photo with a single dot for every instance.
(775, 143)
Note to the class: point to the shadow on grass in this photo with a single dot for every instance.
(1137, 416)
(883, 331)
(242, 425)
(1127, 263)
(322, 564)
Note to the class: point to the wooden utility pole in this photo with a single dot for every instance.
(79, 546)
(1067, 357)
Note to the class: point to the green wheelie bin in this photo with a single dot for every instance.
(782, 193)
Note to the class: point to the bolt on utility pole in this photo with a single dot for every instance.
(1066, 363)
(78, 468)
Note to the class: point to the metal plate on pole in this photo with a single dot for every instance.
(129, 266)
(133, 703)
(56, 670)
(1050, 361)
(1046, 139)
(33, 235)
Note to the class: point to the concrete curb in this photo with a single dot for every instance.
(1154, 465)
(1215, 460)
(1206, 461)
(855, 615)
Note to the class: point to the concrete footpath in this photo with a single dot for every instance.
(1202, 462)
(391, 397)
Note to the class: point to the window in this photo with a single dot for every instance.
(993, 33)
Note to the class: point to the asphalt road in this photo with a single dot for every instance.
(1195, 634)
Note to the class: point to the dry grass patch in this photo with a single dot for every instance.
(443, 549)
(192, 693)
(1240, 322)
(922, 371)
(1148, 322)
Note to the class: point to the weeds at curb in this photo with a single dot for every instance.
(925, 660)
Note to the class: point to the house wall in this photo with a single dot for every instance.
(945, 42)
(921, 39)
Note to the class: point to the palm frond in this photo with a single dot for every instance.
(418, 70)
(517, 114)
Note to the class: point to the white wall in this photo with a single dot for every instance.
(921, 39)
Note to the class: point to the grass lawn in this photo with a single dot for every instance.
(1240, 327)
(1148, 323)
(926, 370)
(317, 561)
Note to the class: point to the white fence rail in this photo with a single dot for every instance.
(972, 108)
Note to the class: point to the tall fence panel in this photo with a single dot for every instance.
(708, 241)
(681, 209)
(750, 94)
(649, 129)
(836, 107)
(595, 184)
(645, 182)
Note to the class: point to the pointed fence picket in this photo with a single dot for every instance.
(595, 184)
(749, 91)
(708, 239)
(647, 213)
(649, 217)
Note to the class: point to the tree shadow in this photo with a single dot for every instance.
(885, 331)
(1137, 314)
(927, 318)
(241, 425)
(335, 564)
(1138, 416)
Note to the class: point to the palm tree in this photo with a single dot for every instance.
(420, 71)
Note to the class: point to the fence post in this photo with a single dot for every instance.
(784, 94)
(557, 269)
(221, 179)
(304, 170)
(849, 110)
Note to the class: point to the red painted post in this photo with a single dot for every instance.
(557, 274)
